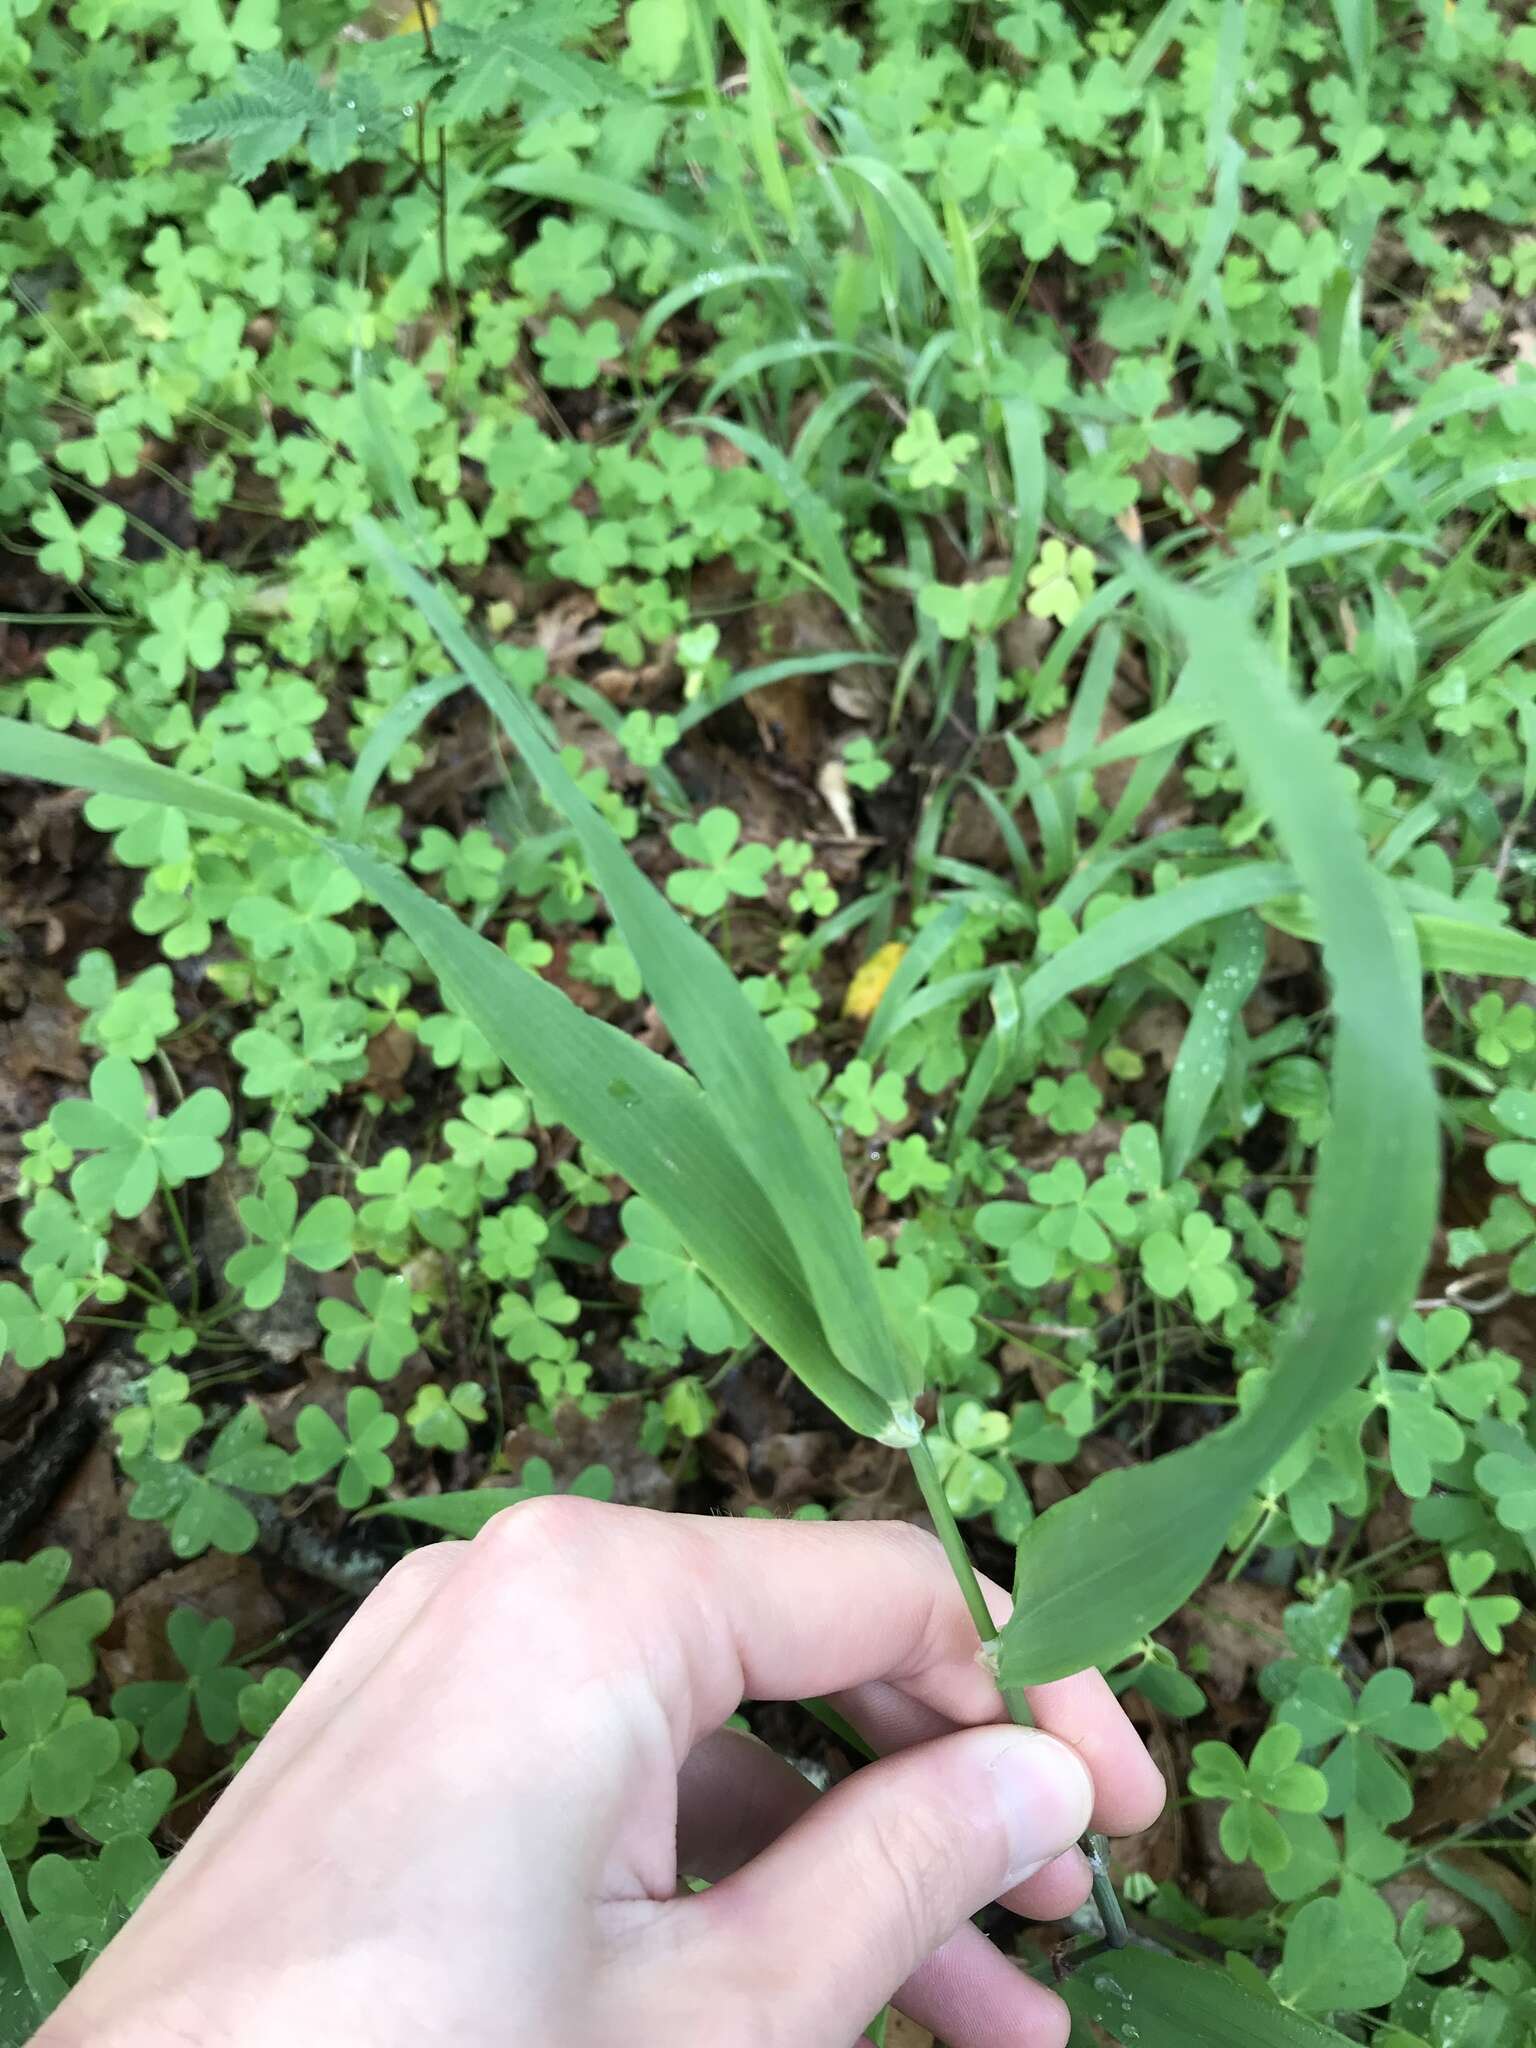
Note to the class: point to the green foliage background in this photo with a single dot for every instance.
(722, 346)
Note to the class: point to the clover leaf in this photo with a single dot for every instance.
(574, 356)
(1060, 583)
(911, 1166)
(865, 1100)
(322, 1240)
(724, 869)
(1506, 1473)
(161, 1708)
(1341, 1953)
(54, 1748)
(129, 1019)
(534, 1329)
(162, 1421)
(35, 1630)
(1272, 1780)
(1359, 1771)
(1488, 1613)
(381, 1329)
(200, 1509)
(564, 263)
(439, 1417)
(929, 457)
(361, 1450)
(509, 1243)
(134, 1150)
(682, 1305)
(1193, 1263)
(1514, 1159)
(260, 1702)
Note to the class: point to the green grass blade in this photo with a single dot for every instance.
(397, 725)
(1197, 1073)
(82, 764)
(1135, 1994)
(814, 520)
(924, 953)
(1150, 922)
(770, 356)
(750, 679)
(1156, 38)
(1101, 1569)
(43, 1982)
(758, 1098)
(723, 279)
(914, 217)
(590, 192)
(1024, 438)
(648, 1119)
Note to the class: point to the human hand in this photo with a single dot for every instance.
(470, 1825)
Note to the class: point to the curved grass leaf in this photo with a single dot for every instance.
(1149, 922)
(589, 191)
(751, 679)
(769, 357)
(642, 1113)
(1103, 1568)
(1447, 945)
(760, 1102)
(1158, 2001)
(700, 286)
(914, 217)
(397, 725)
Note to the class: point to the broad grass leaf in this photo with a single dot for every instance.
(465, 1514)
(759, 1101)
(82, 764)
(1157, 2001)
(647, 1118)
(1114, 1561)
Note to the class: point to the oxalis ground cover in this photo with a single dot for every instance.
(1017, 520)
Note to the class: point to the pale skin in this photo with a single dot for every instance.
(471, 1824)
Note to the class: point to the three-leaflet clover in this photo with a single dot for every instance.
(135, 1150)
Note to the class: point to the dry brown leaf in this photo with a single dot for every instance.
(1241, 1628)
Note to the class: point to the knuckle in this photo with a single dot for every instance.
(419, 1572)
(922, 1550)
(542, 1531)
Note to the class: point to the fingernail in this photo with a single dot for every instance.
(1045, 1797)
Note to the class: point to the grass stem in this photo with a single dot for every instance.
(1094, 1847)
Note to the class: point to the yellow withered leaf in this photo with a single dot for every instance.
(872, 980)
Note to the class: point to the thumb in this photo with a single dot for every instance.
(829, 1921)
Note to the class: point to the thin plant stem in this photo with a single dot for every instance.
(1094, 1847)
(439, 187)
